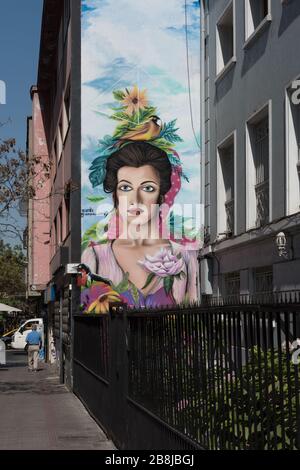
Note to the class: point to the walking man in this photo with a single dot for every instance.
(34, 341)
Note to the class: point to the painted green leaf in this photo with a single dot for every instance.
(169, 133)
(168, 284)
(149, 280)
(95, 233)
(95, 198)
(119, 95)
(84, 245)
(135, 293)
(124, 284)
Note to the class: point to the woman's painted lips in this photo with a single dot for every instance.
(135, 211)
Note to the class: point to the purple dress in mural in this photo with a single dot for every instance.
(175, 265)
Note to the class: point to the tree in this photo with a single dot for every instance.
(18, 177)
(12, 282)
(12, 274)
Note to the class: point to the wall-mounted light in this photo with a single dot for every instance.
(281, 243)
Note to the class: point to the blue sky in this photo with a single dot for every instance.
(20, 25)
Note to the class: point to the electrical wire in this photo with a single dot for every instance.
(188, 74)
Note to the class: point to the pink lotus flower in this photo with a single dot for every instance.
(163, 264)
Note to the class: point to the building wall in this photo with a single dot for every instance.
(58, 88)
(39, 205)
(263, 71)
(29, 213)
(171, 98)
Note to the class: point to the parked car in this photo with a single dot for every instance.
(19, 337)
(7, 337)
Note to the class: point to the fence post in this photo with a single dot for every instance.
(118, 373)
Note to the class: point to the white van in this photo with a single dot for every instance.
(19, 338)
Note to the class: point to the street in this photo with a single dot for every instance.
(16, 358)
(38, 413)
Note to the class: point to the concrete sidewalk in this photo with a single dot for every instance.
(36, 413)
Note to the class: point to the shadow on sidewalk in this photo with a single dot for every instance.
(37, 388)
(15, 377)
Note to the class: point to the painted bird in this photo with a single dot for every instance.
(86, 277)
(148, 130)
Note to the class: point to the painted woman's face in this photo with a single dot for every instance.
(138, 194)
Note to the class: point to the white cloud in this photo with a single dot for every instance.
(85, 182)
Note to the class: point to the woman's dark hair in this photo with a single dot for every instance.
(136, 155)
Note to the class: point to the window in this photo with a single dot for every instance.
(263, 280)
(68, 103)
(61, 130)
(67, 215)
(232, 285)
(58, 141)
(225, 39)
(261, 161)
(256, 12)
(66, 112)
(55, 154)
(292, 126)
(55, 235)
(60, 49)
(28, 326)
(258, 163)
(226, 194)
(67, 16)
(60, 227)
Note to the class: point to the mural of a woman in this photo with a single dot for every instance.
(143, 265)
(157, 271)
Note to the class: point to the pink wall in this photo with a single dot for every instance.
(40, 252)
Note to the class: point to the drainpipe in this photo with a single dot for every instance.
(202, 122)
(61, 369)
(71, 323)
(202, 98)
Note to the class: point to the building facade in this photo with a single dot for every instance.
(55, 136)
(77, 82)
(250, 147)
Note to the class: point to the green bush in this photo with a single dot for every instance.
(257, 409)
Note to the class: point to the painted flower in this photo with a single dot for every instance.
(163, 264)
(97, 298)
(135, 100)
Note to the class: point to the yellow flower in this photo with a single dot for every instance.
(135, 100)
(104, 296)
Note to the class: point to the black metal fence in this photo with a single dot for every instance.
(211, 377)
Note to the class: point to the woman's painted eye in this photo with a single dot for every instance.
(125, 188)
(148, 189)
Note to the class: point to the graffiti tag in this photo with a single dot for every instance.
(296, 93)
